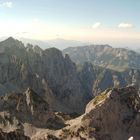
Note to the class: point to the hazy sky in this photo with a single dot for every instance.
(115, 22)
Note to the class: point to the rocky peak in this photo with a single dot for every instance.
(12, 48)
(29, 46)
(67, 57)
(61, 76)
(69, 63)
(113, 112)
(10, 39)
(53, 52)
(11, 42)
(32, 48)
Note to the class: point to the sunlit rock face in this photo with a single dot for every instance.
(114, 114)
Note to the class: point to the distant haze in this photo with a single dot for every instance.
(114, 22)
(65, 43)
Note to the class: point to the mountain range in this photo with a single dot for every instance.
(43, 91)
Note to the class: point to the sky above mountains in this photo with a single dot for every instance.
(114, 22)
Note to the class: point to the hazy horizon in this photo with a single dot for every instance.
(96, 21)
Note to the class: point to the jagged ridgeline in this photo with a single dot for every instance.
(67, 86)
(47, 72)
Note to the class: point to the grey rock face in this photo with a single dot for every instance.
(88, 75)
(95, 79)
(62, 78)
(109, 78)
(45, 71)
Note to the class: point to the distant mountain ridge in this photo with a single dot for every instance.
(64, 43)
(104, 56)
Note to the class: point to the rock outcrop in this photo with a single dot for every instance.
(23, 114)
(15, 135)
(28, 107)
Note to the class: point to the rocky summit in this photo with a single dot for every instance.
(114, 112)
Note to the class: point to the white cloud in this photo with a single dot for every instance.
(7, 4)
(96, 25)
(125, 25)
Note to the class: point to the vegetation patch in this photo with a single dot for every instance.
(100, 98)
